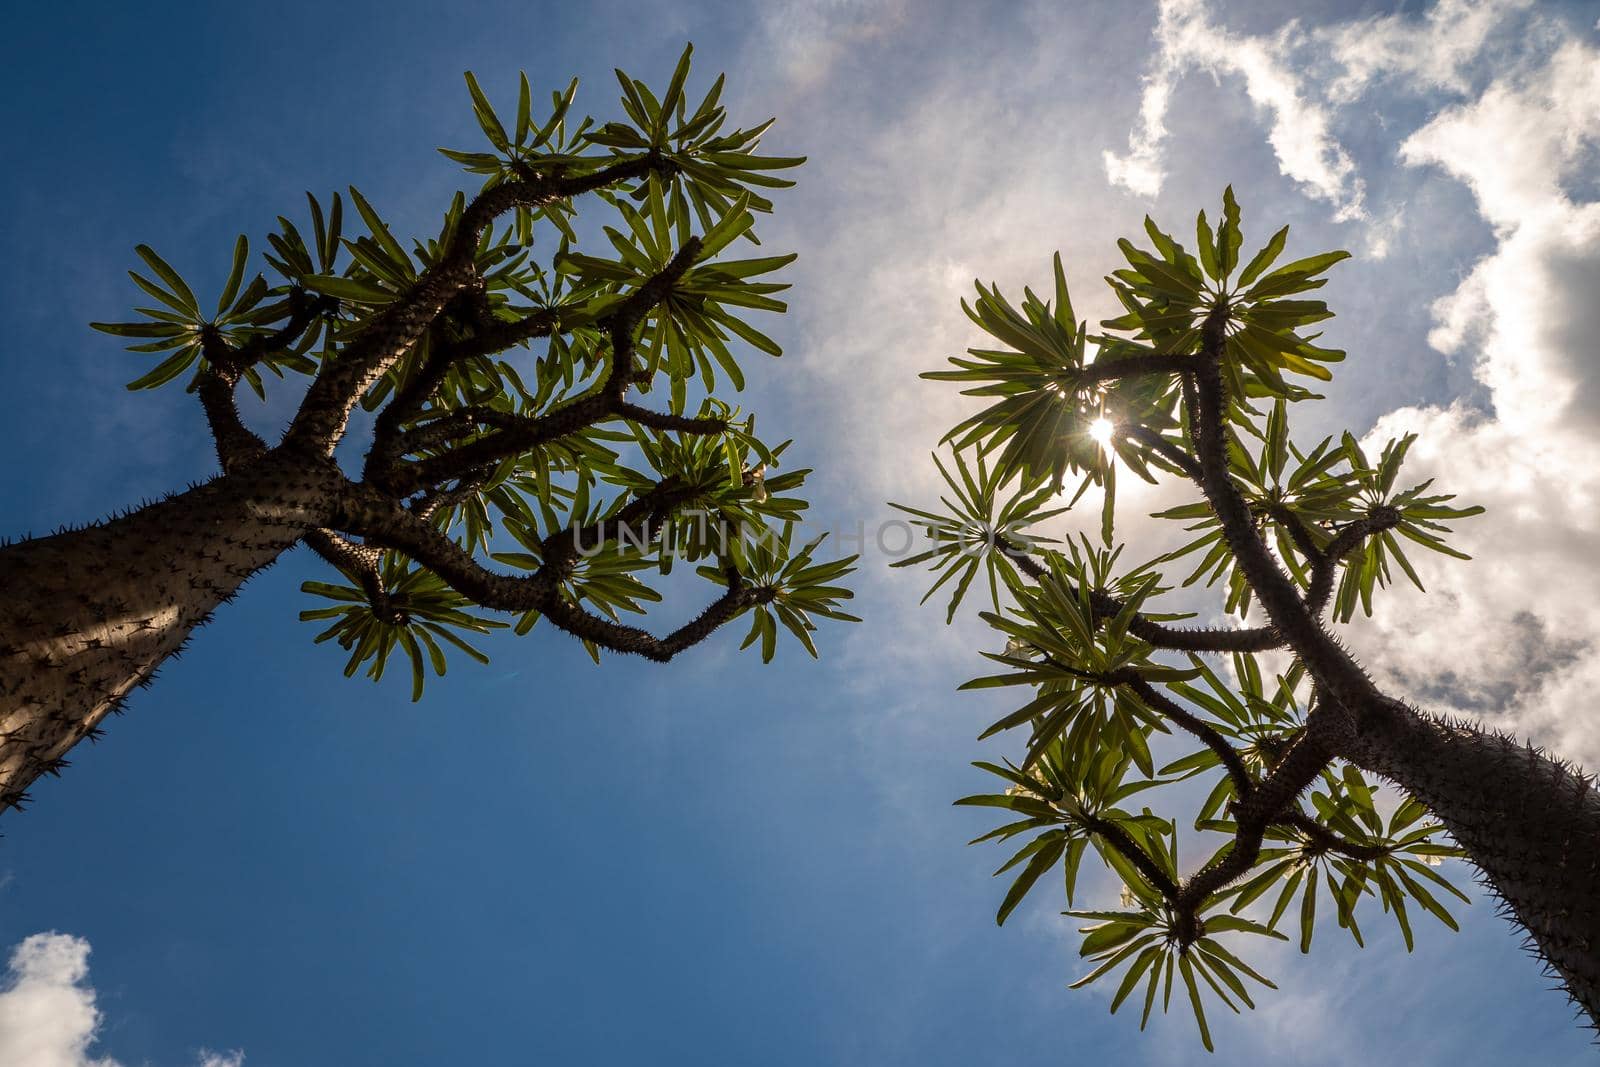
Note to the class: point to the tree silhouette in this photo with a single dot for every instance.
(505, 426)
(1194, 381)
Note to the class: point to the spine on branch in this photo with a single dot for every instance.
(89, 614)
(1530, 823)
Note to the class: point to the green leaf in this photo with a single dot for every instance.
(1208, 248)
(1308, 913)
(347, 289)
(230, 288)
(186, 301)
(1187, 968)
(1229, 238)
(487, 119)
(1264, 258)
(168, 369)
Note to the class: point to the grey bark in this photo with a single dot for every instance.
(1531, 824)
(87, 615)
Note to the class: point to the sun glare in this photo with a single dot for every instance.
(1101, 430)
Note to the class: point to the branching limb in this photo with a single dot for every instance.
(236, 444)
(1329, 665)
(388, 442)
(1118, 839)
(360, 562)
(1253, 814)
(1164, 448)
(333, 394)
(439, 432)
(602, 402)
(1169, 638)
(1349, 538)
(1208, 421)
(658, 420)
(1304, 541)
(1243, 783)
(384, 523)
(218, 379)
(639, 522)
(429, 503)
(620, 638)
(1325, 839)
(1132, 367)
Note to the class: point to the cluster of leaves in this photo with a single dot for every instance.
(1146, 936)
(1074, 659)
(424, 612)
(1070, 795)
(1320, 492)
(1099, 696)
(179, 328)
(1043, 421)
(979, 528)
(1074, 808)
(1409, 851)
(1168, 293)
(693, 177)
(801, 587)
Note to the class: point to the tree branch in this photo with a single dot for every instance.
(384, 523)
(1169, 638)
(388, 442)
(1328, 841)
(1271, 586)
(1329, 665)
(1132, 367)
(658, 420)
(360, 562)
(619, 638)
(438, 432)
(1243, 783)
(425, 506)
(218, 381)
(1349, 538)
(599, 403)
(1118, 838)
(1299, 533)
(1253, 814)
(340, 383)
(1185, 463)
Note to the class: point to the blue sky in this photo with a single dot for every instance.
(545, 862)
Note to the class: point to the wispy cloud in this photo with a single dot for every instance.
(1515, 636)
(1299, 127)
(1440, 50)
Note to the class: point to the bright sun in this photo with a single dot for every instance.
(1101, 430)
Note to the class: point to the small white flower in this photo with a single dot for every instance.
(1017, 648)
(1433, 861)
(758, 485)
(1127, 898)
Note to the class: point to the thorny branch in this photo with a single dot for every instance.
(1273, 800)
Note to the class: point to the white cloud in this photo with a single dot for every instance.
(1438, 51)
(48, 1016)
(234, 1058)
(1515, 635)
(1511, 633)
(1517, 144)
(1299, 131)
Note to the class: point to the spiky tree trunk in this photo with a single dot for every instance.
(1530, 823)
(89, 614)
